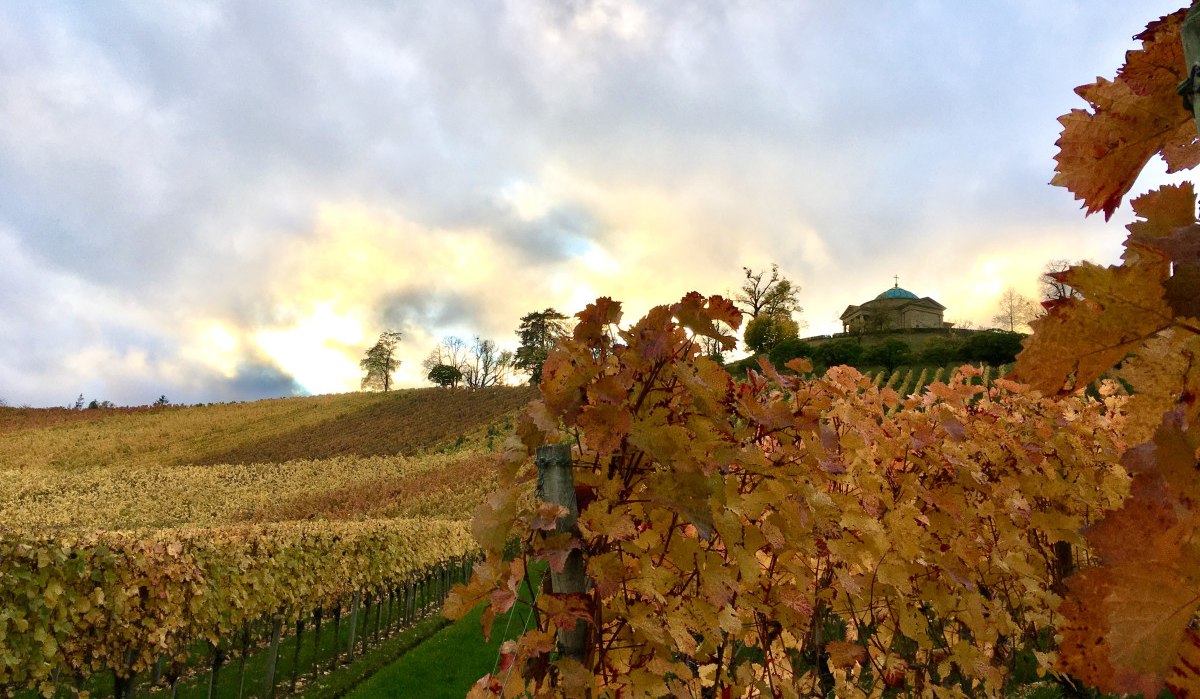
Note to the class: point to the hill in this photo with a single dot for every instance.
(404, 422)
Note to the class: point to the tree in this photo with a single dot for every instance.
(1015, 311)
(380, 362)
(538, 331)
(767, 330)
(488, 365)
(775, 295)
(1054, 289)
(451, 351)
(995, 347)
(788, 349)
(888, 354)
(445, 375)
(941, 351)
(162, 400)
(842, 351)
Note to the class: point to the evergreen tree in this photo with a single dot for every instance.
(538, 331)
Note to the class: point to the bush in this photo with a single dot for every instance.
(840, 351)
(994, 347)
(941, 352)
(889, 354)
(766, 331)
(788, 349)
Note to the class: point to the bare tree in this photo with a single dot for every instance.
(1014, 311)
(487, 365)
(451, 351)
(1052, 288)
(774, 295)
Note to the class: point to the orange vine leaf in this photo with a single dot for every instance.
(1102, 150)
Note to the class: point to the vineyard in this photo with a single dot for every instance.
(127, 555)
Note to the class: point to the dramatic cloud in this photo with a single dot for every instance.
(230, 200)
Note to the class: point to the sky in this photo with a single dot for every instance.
(218, 201)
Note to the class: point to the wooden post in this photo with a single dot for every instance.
(218, 659)
(272, 657)
(1190, 34)
(354, 622)
(556, 484)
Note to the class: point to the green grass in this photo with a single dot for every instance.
(449, 662)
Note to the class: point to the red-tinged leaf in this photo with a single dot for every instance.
(595, 319)
(1126, 620)
(1184, 678)
(504, 595)
(1124, 306)
(502, 600)
(548, 514)
(508, 655)
(700, 315)
(846, 655)
(1181, 246)
(536, 426)
(1102, 151)
(604, 426)
(556, 549)
(565, 610)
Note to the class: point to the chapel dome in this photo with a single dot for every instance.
(896, 293)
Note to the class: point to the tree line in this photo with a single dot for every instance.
(771, 302)
(478, 363)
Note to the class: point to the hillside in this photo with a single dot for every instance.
(270, 431)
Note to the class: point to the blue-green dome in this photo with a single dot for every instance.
(896, 293)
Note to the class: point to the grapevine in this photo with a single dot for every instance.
(799, 537)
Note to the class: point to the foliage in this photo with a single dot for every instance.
(121, 600)
(380, 362)
(940, 351)
(844, 350)
(538, 332)
(788, 349)
(888, 354)
(451, 351)
(787, 536)
(994, 347)
(767, 330)
(445, 375)
(774, 296)
(1129, 622)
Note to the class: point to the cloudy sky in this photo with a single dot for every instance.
(231, 200)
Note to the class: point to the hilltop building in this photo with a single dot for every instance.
(894, 309)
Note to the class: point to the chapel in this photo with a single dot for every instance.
(894, 309)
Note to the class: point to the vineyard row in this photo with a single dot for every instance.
(122, 602)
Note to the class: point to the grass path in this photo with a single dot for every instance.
(447, 663)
